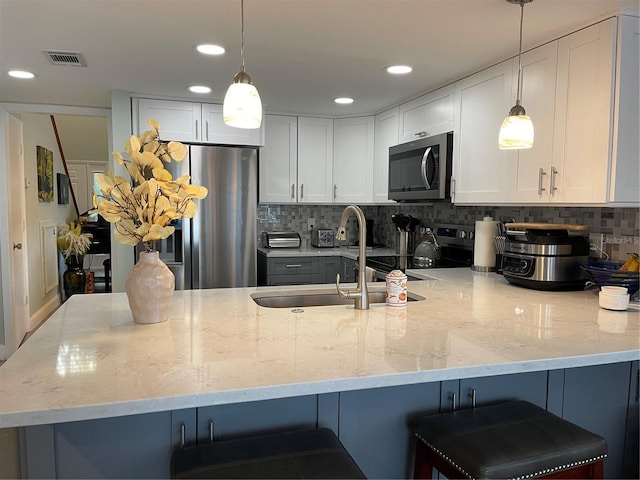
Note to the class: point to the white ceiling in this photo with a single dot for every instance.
(300, 53)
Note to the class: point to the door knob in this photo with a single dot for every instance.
(17, 246)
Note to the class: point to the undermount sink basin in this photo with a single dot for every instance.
(317, 298)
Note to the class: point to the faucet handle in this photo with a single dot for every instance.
(341, 293)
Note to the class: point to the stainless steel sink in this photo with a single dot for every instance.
(316, 298)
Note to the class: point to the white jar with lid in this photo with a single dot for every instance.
(396, 295)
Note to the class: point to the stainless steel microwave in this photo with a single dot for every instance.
(421, 170)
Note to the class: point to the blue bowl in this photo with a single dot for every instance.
(609, 273)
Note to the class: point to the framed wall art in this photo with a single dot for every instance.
(63, 189)
(45, 174)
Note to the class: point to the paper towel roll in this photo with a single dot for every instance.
(484, 249)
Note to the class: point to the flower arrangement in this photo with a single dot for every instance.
(72, 242)
(145, 207)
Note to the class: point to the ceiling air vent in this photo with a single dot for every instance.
(71, 59)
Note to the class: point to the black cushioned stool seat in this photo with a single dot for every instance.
(515, 440)
(309, 453)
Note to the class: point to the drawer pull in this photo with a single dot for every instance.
(294, 265)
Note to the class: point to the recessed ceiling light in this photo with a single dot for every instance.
(344, 100)
(199, 89)
(399, 69)
(20, 74)
(209, 49)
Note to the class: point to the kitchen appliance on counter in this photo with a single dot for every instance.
(421, 170)
(545, 256)
(427, 252)
(280, 239)
(456, 251)
(323, 238)
(217, 247)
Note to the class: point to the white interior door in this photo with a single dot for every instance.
(17, 234)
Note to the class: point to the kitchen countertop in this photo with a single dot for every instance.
(89, 360)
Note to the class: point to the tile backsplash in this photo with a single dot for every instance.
(620, 226)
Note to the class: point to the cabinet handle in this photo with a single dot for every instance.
(182, 435)
(335, 191)
(294, 266)
(473, 397)
(552, 186)
(421, 134)
(301, 191)
(210, 431)
(206, 129)
(452, 397)
(293, 191)
(541, 173)
(196, 129)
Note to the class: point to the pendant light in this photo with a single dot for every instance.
(242, 107)
(517, 129)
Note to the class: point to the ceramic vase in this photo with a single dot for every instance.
(74, 278)
(149, 288)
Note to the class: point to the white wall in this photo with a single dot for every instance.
(38, 131)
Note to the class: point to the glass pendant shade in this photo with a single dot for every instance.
(516, 131)
(242, 106)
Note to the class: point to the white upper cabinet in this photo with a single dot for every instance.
(192, 123)
(479, 167)
(625, 171)
(428, 115)
(353, 160)
(584, 115)
(529, 170)
(315, 160)
(279, 160)
(214, 130)
(179, 121)
(386, 135)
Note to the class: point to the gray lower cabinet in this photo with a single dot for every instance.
(239, 419)
(348, 269)
(133, 446)
(631, 462)
(328, 268)
(597, 398)
(374, 426)
(299, 270)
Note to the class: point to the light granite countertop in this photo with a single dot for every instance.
(89, 360)
(340, 251)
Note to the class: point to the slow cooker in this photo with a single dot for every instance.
(545, 256)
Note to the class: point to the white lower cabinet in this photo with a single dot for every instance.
(385, 136)
(353, 160)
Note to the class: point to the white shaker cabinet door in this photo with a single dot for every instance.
(583, 116)
(353, 160)
(315, 160)
(179, 121)
(279, 160)
(215, 131)
(479, 166)
(529, 170)
(428, 115)
(386, 135)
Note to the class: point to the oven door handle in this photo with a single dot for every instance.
(423, 168)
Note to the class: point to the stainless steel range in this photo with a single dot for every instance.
(456, 251)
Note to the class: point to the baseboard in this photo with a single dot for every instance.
(44, 312)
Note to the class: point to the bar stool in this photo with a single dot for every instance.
(308, 453)
(515, 440)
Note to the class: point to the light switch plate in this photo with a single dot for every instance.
(311, 223)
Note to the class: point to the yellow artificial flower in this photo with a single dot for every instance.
(145, 207)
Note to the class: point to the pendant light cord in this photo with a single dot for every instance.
(519, 52)
(242, 34)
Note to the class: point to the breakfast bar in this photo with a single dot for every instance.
(97, 395)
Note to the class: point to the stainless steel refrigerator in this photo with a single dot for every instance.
(217, 247)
